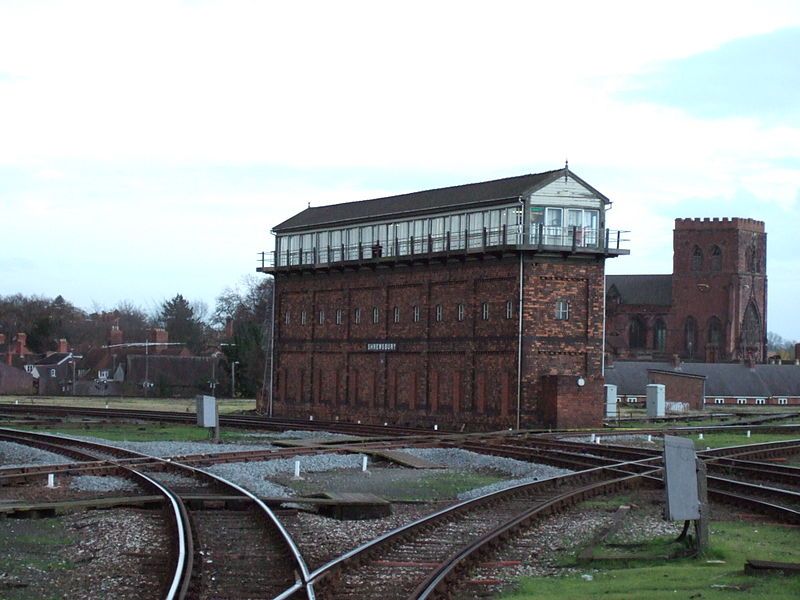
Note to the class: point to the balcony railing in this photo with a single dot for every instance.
(560, 238)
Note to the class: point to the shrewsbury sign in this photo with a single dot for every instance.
(381, 347)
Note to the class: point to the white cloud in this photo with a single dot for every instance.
(94, 94)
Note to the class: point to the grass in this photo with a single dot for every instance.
(400, 485)
(717, 575)
(131, 432)
(28, 547)
(724, 439)
(183, 405)
(443, 486)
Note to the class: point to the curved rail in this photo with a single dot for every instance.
(179, 522)
(183, 569)
(360, 553)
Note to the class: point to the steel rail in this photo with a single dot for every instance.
(452, 564)
(359, 552)
(183, 569)
(178, 583)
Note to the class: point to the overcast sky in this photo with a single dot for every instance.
(147, 148)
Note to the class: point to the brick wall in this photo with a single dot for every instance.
(566, 405)
(455, 365)
(717, 289)
(680, 387)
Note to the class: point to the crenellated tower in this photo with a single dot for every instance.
(719, 290)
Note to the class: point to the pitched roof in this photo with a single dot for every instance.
(722, 379)
(508, 188)
(641, 289)
(56, 358)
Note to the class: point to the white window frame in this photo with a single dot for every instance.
(741, 401)
(783, 401)
(338, 316)
(376, 315)
(562, 310)
(485, 311)
(321, 317)
(303, 318)
(357, 316)
(719, 400)
(396, 316)
(439, 313)
(287, 318)
(509, 309)
(52, 372)
(460, 312)
(416, 312)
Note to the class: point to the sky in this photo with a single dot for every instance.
(147, 148)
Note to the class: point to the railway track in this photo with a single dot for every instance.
(217, 551)
(397, 563)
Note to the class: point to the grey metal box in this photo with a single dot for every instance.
(656, 400)
(680, 479)
(611, 400)
(206, 411)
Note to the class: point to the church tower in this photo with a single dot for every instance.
(719, 290)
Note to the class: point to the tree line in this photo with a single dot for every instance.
(239, 325)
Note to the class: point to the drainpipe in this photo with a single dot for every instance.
(272, 338)
(519, 332)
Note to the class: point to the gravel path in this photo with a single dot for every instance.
(20, 455)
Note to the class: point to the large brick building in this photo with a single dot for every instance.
(712, 308)
(473, 306)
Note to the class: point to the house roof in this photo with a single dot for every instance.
(509, 188)
(722, 379)
(641, 289)
(56, 358)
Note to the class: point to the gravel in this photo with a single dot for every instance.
(20, 455)
(166, 448)
(253, 476)
(636, 440)
(94, 483)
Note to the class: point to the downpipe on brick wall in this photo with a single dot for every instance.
(519, 333)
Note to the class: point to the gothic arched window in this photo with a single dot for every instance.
(690, 336)
(697, 259)
(637, 333)
(714, 331)
(751, 327)
(716, 258)
(659, 335)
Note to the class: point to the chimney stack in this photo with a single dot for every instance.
(159, 336)
(2, 338)
(63, 347)
(115, 335)
(22, 347)
(676, 361)
(751, 361)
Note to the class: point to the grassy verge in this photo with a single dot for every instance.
(717, 575)
(226, 405)
(724, 439)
